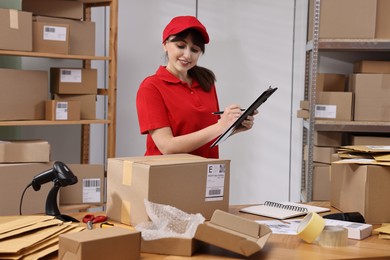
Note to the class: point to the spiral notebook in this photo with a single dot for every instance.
(282, 210)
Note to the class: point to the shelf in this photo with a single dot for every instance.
(376, 45)
(58, 122)
(351, 126)
(51, 55)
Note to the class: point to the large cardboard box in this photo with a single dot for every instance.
(87, 103)
(101, 243)
(73, 81)
(15, 30)
(170, 246)
(24, 94)
(21, 151)
(55, 8)
(90, 186)
(50, 37)
(62, 110)
(333, 106)
(345, 19)
(369, 140)
(81, 34)
(190, 183)
(372, 67)
(371, 97)
(331, 82)
(382, 20)
(14, 178)
(361, 188)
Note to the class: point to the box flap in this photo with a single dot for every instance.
(233, 233)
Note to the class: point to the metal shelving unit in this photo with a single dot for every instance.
(313, 49)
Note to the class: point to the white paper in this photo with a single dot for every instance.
(91, 190)
(70, 76)
(62, 110)
(325, 111)
(215, 181)
(54, 33)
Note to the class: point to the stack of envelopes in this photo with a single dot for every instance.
(365, 154)
(31, 237)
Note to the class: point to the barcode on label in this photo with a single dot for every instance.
(214, 192)
(66, 72)
(91, 183)
(50, 29)
(321, 108)
(62, 105)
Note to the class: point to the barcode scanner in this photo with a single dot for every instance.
(348, 216)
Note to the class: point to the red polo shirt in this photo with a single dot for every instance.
(165, 101)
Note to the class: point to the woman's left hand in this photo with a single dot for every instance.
(247, 123)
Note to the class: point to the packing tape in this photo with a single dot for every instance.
(310, 227)
(333, 236)
(13, 19)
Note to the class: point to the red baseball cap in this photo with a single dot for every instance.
(181, 23)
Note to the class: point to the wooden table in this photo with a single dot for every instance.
(289, 247)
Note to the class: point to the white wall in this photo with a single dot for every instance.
(252, 47)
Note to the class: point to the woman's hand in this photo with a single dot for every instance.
(229, 116)
(247, 123)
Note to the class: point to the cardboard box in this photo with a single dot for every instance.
(323, 154)
(15, 30)
(81, 34)
(90, 186)
(382, 20)
(233, 233)
(73, 81)
(321, 182)
(361, 188)
(302, 113)
(329, 139)
(339, 21)
(370, 140)
(331, 82)
(304, 104)
(62, 110)
(87, 104)
(371, 97)
(190, 183)
(100, 243)
(372, 67)
(50, 37)
(57, 8)
(14, 178)
(26, 93)
(334, 106)
(21, 151)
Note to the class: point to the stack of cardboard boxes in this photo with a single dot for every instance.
(48, 27)
(354, 186)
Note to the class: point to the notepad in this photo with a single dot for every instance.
(282, 210)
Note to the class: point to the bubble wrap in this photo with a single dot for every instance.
(167, 221)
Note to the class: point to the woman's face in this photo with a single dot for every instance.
(182, 55)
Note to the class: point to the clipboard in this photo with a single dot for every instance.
(249, 111)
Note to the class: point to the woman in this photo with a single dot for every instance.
(175, 104)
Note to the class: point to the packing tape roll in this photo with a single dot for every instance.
(311, 227)
(333, 236)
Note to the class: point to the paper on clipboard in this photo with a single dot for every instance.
(249, 111)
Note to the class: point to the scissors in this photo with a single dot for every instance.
(91, 217)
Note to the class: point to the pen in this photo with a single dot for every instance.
(221, 112)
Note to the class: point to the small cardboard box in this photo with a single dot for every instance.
(372, 67)
(233, 233)
(87, 103)
(369, 140)
(73, 81)
(333, 106)
(339, 21)
(21, 151)
(57, 8)
(190, 183)
(361, 188)
(331, 82)
(323, 154)
(15, 30)
(62, 110)
(24, 94)
(321, 182)
(100, 243)
(50, 37)
(14, 178)
(371, 97)
(329, 139)
(81, 35)
(382, 20)
(90, 186)
(170, 246)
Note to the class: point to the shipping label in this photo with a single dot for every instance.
(215, 182)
